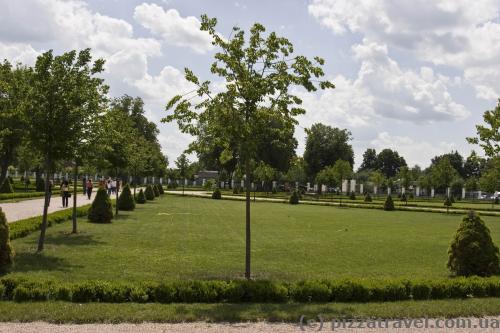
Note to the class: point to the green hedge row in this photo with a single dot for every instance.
(239, 291)
(24, 227)
(25, 195)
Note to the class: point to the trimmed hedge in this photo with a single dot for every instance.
(240, 291)
(101, 210)
(6, 250)
(24, 227)
(294, 198)
(25, 195)
(216, 194)
(160, 189)
(6, 186)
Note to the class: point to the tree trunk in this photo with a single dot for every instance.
(247, 220)
(43, 226)
(75, 180)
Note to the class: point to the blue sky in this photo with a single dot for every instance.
(414, 76)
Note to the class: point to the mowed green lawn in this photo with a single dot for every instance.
(185, 237)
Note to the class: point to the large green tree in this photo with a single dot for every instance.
(369, 160)
(456, 161)
(488, 135)
(13, 120)
(182, 164)
(325, 145)
(57, 102)
(443, 173)
(389, 162)
(257, 73)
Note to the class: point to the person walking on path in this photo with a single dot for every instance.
(113, 186)
(89, 187)
(65, 193)
(108, 187)
(84, 185)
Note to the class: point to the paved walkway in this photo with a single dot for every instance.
(20, 210)
(201, 327)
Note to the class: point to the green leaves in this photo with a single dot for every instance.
(489, 136)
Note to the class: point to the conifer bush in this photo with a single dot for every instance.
(101, 210)
(40, 185)
(160, 189)
(125, 200)
(6, 187)
(216, 194)
(448, 203)
(140, 198)
(368, 197)
(294, 198)
(156, 190)
(472, 251)
(388, 204)
(352, 196)
(149, 193)
(6, 250)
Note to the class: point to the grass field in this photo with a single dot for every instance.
(184, 237)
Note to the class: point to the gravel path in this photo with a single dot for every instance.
(41, 327)
(15, 211)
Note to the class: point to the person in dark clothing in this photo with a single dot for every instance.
(84, 185)
(65, 193)
(89, 187)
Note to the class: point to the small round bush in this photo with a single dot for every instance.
(156, 190)
(140, 197)
(236, 190)
(125, 200)
(472, 251)
(352, 195)
(149, 193)
(101, 210)
(216, 194)
(6, 187)
(388, 204)
(6, 250)
(294, 198)
(368, 197)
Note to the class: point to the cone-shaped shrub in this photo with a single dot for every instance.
(126, 201)
(156, 190)
(216, 194)
(149, 193)
(101, 210)
(352, 196)
(448, 203)
(472, 251)
(40, 185)
(160, 189)
(389, 204)
(6, 187)
(294, 198)
(368, 197)
(140, 198)
(6, 251)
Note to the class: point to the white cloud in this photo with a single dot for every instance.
(414, 152)
(383, 90)
(172, 28)
(459, 33)
(18, 52)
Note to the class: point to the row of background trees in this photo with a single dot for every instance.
(57, 114)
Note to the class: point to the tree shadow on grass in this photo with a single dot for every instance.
(31, 262)
(242, 312)
(63, 238)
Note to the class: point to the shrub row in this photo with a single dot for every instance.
(24, 227)
(240, 291)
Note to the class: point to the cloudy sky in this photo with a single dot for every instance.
(410, 75)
